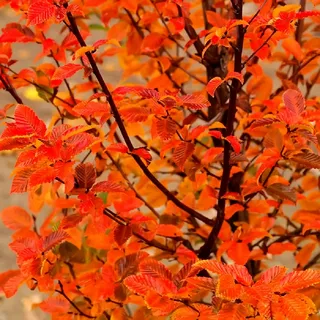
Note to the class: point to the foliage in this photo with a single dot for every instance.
(171, 192)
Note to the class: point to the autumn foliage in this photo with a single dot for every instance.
(176, 192)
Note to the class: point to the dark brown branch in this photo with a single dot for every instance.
(61, 291)
(124, 133)
(152, 243)
(208, 246)
(8, 87)
(312, 262)
(298, 37)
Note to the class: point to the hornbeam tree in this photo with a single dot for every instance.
(175, 192)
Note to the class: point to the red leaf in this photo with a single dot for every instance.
(234, 141)
(122, 234)
(178, 24)
(14, 143)
(53, 239)
(27, 120)
(64, 72)
(195, 101)
(16, 218)
(107, 186)
(42, 175)
(155, 269)
(142, 153)
(182, 152)
(135, 113)
(118, 147)
(165, 128)
(262, 122)
(139, 90)
(21, 180)
(86, 175)
(294, 101)
(213, 84)
(240, 273)
(195, 133)
(40, 11)
(215, 133)
(141, 284)
(152, 42)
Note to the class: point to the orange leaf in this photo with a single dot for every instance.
(155, 269)
(135, 114)
(64, 72)
(165, 128)
(231, 210)
(42, 175)
(234, 75)
(213, 84)
(232, 311)
(16, 218)
(182, 152)
(107, 186)
(152, 42)
(27, 121)
(194, 101)
(234, 141)
(279, 248)
(169, 230)
(239, 253)
(141, 284)
(296, 280)
(118, 147)
(40, 11)
(304, 255)
(240, 273)
(10, 281)
(293, 47)
(55, 304)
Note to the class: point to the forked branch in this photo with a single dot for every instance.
(74, 29)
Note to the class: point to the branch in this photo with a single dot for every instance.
(62, 292)
(208, 246)
(298, 37)
(255, 15)
(312, 262)
(258, 49)
(8, 87)
(124, 133)
(151, 243)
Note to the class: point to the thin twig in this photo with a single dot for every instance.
(62, 292)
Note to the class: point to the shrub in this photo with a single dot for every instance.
(174, 192)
